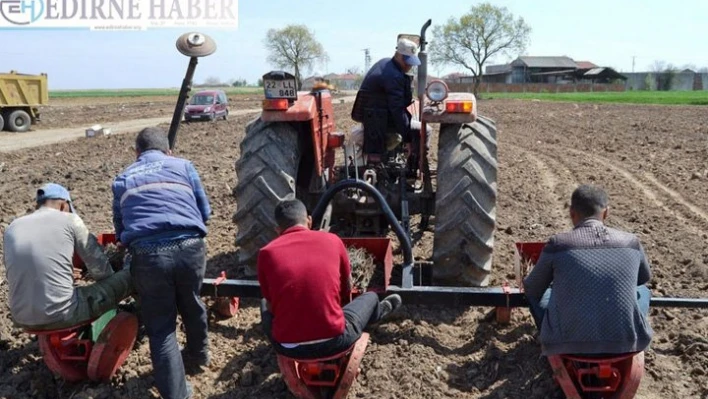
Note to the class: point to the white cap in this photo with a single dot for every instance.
(409, 50)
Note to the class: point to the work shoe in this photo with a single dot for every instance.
(389, 304)
(392, 141)
(193, 364)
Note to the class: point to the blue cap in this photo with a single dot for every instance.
(54, 191)
(411, 60)
(409, 50)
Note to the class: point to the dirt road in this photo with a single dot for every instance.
(13, 141)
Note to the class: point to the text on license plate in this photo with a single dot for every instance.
(280, 88)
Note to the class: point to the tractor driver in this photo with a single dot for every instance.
(304, 276)
(382, 101)
(598, 303)
(38, 253)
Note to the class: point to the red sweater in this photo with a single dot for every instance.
(304, 275)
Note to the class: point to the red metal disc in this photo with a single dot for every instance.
(352, 371)
(296, 386)
(113, 346)
(69, 370)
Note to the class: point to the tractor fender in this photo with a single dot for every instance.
(304, 110)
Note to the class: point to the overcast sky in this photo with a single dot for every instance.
(606, 32)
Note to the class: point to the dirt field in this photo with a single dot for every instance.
(650, 159)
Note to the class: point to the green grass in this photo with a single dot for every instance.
(142, 92)
(628, 97)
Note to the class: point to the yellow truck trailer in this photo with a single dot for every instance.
(20, 98)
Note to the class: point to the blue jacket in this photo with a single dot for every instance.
(381, 104)
(159, 198)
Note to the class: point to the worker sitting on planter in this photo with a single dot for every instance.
(598, 303)
(38, 253)
(305, 276)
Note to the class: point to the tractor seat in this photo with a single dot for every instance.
(60, 330)
(323, 359)
(324, 372)
(599, 357)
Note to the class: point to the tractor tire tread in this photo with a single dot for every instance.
(266, 172)
(466, 198)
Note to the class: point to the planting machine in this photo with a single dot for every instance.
(291, 151)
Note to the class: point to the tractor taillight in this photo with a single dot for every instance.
(459, 107)
(335, 140)
(278, 104)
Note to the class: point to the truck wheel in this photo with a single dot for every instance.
(2, 123)
(465, 204)
(18, 121)
(266, 173)
(226, 114)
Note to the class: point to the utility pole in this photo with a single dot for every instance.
(634, 57)
(367, 60)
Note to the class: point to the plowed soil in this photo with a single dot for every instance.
(650, 159)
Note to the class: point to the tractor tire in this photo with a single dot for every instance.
(266, 172)
(465, 204)
(18, 121)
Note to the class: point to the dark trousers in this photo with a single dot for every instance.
(538, 308)
(168, 280)
(359, 313)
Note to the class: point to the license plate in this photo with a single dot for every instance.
(280, 88)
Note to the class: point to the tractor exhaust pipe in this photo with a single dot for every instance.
(422, 70)
(193, 45)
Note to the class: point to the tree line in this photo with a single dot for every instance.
(469, 41)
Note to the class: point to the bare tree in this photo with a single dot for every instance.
(294, 47)
(212, 81)
(665, 74)
(657, 66)
(486, 31)
(354, 70)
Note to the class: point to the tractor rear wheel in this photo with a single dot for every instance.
(266, 172)
(465, 203)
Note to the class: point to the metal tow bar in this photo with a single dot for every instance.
(500, 297)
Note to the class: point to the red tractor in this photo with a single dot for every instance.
(290, 151)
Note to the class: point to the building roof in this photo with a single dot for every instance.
(545, 62)
(607, 73)
(345, 76)
(563, 72)
(497, 69)
(585, 65)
